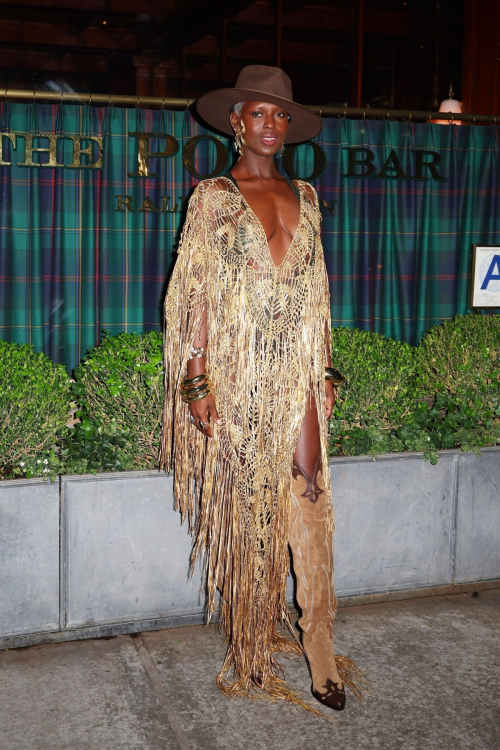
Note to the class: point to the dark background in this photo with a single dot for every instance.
(381, 53)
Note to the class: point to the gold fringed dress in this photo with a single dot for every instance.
(265, 356)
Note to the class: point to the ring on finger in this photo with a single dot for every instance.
(203, 424)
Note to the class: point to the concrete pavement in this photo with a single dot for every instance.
(434, 662)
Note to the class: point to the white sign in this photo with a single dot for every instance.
(485, 276)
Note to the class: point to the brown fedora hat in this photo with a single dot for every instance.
(260, 83)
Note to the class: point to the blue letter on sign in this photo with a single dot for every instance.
(490, 274)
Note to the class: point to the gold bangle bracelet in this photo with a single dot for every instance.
(195, 389)
(333, 376)
(185, 382)
(197, 397)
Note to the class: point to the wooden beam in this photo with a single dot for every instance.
(265, 50)
(481, 64)
(279, 32)
(106, 7)
(33, 34)
(160, 80)
(142, 75)
(328, 17)
(357, 53)
(200, 18)
(223, 50)
(39, 61)
(183, 73)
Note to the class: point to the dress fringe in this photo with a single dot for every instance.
(265, 353)
(267, 685)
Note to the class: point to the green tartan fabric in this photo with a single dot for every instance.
(399, 251)
(72, 266)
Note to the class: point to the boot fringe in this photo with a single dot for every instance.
(352, 676)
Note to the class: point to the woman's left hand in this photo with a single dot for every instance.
(330, 398)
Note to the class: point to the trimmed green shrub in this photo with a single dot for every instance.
(443, 394)
(458, 365)
(34, 409)
(378, 393)
(119, 390)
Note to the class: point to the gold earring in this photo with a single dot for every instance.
(282, 149)
(237, 143)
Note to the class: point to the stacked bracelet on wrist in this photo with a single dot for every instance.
(334, 376)
(197, 351)
(194, 389)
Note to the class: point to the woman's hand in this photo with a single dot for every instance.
(202, 412)
(330, 398)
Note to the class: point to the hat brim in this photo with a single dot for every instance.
(214, 108)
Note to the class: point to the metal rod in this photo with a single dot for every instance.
(105, 99)
(158, 101)
(403, 114)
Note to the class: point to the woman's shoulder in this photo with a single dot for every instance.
(212, 185)
(204, 190)
(209, 189)
(309, 189)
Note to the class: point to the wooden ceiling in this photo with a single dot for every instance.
(379, 52)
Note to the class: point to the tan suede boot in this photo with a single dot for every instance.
(312, 548)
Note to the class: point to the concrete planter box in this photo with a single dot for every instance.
(126, 553)
(29, 556)
(106, 554)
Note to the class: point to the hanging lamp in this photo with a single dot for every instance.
(450, 105)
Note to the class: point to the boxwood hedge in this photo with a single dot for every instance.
(445, 393)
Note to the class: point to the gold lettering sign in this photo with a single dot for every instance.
(430, 165)
(78, 152)
(85, 156)
(126, 203)
(148, 205)
(319, 165)
(392, 165)
(143, 153)
(392, 169)
(367, 162)
(329, 205)
(12, 139)
(31, 149)
(189, 151)
(165, 208)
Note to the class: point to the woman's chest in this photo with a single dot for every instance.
(241, 243)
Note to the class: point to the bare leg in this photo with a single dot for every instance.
(312, 550)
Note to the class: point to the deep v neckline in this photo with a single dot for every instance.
(261, 226)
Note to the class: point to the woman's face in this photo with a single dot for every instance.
(263, 127)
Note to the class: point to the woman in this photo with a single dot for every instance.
(248, 390)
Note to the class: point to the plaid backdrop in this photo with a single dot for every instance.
(72, 266)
